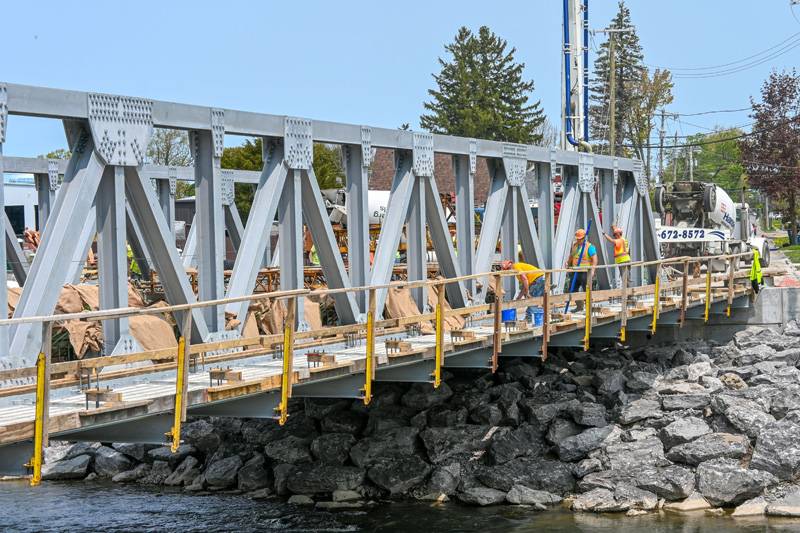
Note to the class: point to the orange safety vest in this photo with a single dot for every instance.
(584, 261)
(621, 251)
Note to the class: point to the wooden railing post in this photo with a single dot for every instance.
(623, 320)
(546, 315)
(656, 300)
(439, 330)
(288, 357)
(497, 344)
(708, 291)
(684, 291)
(181, 380)
(731, 260)
(369, 370)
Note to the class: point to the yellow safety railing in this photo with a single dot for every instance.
(656, 300)
(369, 367)
(38, 427)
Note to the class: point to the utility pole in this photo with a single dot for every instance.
(661, 134)
(675, 158)
(691, 163)
(612, 96)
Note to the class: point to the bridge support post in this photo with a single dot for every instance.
(623, 319)
(181, 382)
(708, 292)
(287, 376)
(464, 169)
(731, 265)
(497, 339)
(684, 292)
(369, 370)
(656, 300)
(357, 160)
(439, 327)
(42, 412)
(546, 317)
(587, 309)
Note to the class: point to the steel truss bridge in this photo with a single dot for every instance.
(107, 189)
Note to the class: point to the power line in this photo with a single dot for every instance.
(740, 68)
(710, 112)
(717, 67)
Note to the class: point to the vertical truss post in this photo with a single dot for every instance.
(369, 369)
(510, 238)
(464, 169)
(684, 291)
(567, 222)
(545, 174)
(209, 219)
(490, 228)
(656, 300)
(608, 207)
(287, 376)
(112, 261)
(417, 250)
(181, 382)
(546, 312)
(298, 157)
(165, 190)
(442, 241)
(497, 333)
(357, 160)
(439, 330)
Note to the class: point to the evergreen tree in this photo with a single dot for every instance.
(629, 68)
(481, 92)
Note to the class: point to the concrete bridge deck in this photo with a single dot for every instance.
(139, 402)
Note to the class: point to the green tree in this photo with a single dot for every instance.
(717, 159)
(327, 167)
(646, 96)
(61, 153)
(629, 60)
(481, 92)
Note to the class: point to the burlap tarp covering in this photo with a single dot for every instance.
(151, 332)
(400, 304)
(270, 315)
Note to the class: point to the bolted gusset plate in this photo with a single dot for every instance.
(473, 156)
(299, 143)
(227, 187)
(642, 183)
(218, 131)
(121, 127)
(422, 162)
(52, 174)
(515, 163)
(3, 112)
(366, 146)
(586, 179)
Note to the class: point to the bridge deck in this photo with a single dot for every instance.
(139, 396)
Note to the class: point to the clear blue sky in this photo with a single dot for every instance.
(363, 62)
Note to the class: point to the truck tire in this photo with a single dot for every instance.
(658, 200)
(709, 198)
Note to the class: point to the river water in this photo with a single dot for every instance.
(92, 506)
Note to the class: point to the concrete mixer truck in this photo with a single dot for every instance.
(701, 219)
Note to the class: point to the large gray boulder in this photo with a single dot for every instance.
(636, 455)
(445, 479)
(562, 428)
(291, 450)
(576, 447)
(202, 435)
(108, 462)
(134, 450)
(323, 479)
(75, 468)
(222, 473)
(512, 443)
(725, 482)
(710, 446)
(158, 473)
(683, 430)
(444, 443)
(398, 475)
(542, 474)
(165, 454)
(590, 414)
(671, 482)
(622, 498)
(778, 448)
(254, 474)
(420, 396)
(391, 443)
(482, 496)
(640, 410)
(343, 422)
(138, 472)
(522, 495)
(676, 402)
(333, 448)
(185, 473)
(745, 415)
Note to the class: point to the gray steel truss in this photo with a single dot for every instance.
(14, 254)
(111, 132)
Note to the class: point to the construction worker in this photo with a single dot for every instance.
(622, 250)
(584, 258)
(531, 279)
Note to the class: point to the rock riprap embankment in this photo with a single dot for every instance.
(685, 426)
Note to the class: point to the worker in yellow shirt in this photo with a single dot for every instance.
(531, 280)
(622, 249)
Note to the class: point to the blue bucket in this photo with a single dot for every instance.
(538, 316)
(508, 315)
